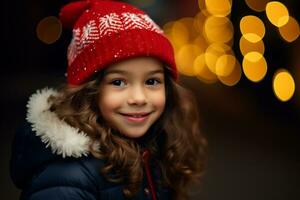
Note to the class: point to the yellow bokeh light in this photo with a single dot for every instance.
(283, 85)
(199, 64)
(246, 46)
(202, 72)
(176, 47)
(254, 66)
(168, 33)
(252, 28)
(179, 33)
(168, 27)
(185, 58)
(199, 20)
(225, 65)
(213, 53)
(252, 37)
(49, 29)
(277, 13)
(219, 8)
(290, 32)
(218, 29)
(189, 24)
(200, 41)
(234, 77)
(203, 8)
(257, 5)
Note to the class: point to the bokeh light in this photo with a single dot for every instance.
(185, 58)
(234, 77)
(220, 8)
(290, 31)
(200, 41)
(277, 13)
(202, 72)
(218, 29)
(225, 65)
(246, 46)
(188, 22)
(252, 28)
(257, 5)
(213, 53)
(180, 33)
(283, 85)
(203, 43)
(168, 27)
(254, 66)
(49, 29)
(199, 20)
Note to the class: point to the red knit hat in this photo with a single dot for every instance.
(105, 32)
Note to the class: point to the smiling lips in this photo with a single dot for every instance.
(136, 117)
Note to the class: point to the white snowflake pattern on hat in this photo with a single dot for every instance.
(73, 50)
(110, 23)
(106, 25)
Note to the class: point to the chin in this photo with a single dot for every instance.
(133, 133)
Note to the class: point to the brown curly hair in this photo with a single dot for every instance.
(182, 153)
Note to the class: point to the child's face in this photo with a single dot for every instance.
(132, 95)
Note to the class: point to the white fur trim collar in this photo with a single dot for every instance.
(62, 138)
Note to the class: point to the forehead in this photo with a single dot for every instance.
(136, 66)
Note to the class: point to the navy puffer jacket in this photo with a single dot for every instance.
(50, 161)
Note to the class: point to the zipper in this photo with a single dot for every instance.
(146, 156)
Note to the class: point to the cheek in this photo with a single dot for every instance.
(159, 101)
(108, 102)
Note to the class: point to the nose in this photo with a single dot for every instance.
(137, 96)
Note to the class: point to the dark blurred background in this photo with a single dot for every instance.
(253, 137)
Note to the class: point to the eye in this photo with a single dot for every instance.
(118, 82)
(153, 81)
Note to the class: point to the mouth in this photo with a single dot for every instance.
(136, 117)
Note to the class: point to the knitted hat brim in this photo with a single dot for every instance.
(118, 47)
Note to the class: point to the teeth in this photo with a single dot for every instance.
(136, 116)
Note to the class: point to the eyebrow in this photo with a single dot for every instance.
(118, 71)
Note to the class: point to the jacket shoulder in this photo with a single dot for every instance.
(66, 177)
(27, 153)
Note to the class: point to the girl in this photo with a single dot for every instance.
(121, 127)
